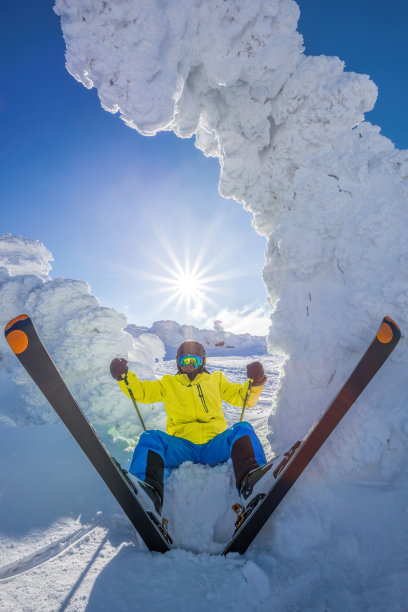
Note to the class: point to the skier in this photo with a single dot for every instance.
(197, 430)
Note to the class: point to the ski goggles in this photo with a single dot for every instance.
(185, 360)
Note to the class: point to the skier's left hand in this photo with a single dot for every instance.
(256, 373)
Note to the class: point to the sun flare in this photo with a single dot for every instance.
(188, 285)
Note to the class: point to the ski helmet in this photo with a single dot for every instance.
(191, 347)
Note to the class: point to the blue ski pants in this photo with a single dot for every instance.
(157, 451)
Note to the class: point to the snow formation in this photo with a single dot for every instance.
(325, 187)
(216, 342)
(25, 256)
(81, 336)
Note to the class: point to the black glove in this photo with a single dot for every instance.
(256, 373)
(118, 368)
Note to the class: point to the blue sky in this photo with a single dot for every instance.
(106, 201)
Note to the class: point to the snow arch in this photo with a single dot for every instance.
(325, 188)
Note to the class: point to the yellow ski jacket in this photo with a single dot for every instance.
(193, 407)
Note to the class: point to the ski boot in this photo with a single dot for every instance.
(152, 502)
(148, 496)
(254, 486)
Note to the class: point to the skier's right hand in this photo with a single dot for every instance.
(118, 368)
(255, 372)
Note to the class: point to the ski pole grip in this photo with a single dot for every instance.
(245, 400)
(132, 397)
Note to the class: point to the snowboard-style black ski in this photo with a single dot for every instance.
(251, 519)
(27, 346)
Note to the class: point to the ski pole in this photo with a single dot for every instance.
(245, 400)
(132, 397)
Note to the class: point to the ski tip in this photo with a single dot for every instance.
(13, 321)
(16, 338)
(388, 331)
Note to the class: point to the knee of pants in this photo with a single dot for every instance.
(242, 429)
(150, 445)
(152, 439)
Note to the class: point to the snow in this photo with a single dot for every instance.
(216, 342)
(329, 192)
(65, 544)
(338, 541)
(24, 256)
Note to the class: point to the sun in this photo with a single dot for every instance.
(191, 282)
(188, 286)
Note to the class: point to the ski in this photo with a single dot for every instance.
(23, 339)
(252, 518)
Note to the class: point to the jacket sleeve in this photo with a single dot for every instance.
(235, 393)
(145, 392)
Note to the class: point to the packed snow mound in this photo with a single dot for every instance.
(324, 186)
(81, 336)
(24, 256)
(216, 342)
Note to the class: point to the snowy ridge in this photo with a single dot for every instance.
(216, 342)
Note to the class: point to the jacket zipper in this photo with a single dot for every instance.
(201, 394)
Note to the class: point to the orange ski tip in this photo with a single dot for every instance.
(17, 340)
(19, 318)
(386, 333)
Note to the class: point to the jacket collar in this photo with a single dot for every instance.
(184, 379)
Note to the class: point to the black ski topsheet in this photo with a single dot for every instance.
(27, 346)
(292, 467)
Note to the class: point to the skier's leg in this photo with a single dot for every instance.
(155, 451)
(239, 442)
(253, 474)
(246, 452)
